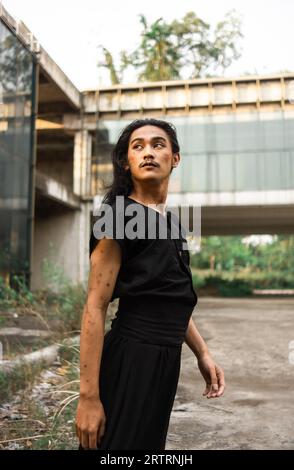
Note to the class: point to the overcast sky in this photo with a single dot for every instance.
(70, 31)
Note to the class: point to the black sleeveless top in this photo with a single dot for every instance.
(154, 284)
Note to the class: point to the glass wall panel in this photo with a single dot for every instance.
(17, 71)
(235, 152)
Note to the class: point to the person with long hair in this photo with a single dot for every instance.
(129, 375)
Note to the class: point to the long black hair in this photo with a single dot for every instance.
(122, 181)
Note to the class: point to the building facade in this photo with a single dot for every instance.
(17, 151)
(44, 166)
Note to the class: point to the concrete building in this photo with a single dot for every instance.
(237, 149)
(44, 167)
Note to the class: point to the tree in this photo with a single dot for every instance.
(203, 50)
(167, 50)
(108, 62)
(157, 58)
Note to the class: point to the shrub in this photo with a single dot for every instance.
(240, 284)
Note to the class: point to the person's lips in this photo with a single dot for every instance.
(150, 164)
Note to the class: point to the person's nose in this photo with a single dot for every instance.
(148, 152)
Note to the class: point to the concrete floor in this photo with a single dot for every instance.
(250, 339)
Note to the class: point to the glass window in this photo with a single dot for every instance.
(233, 152)
(16, 78)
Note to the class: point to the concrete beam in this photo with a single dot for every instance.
(50, 69)
(58, 77)
(53, 109)
(233, 198)
(244, 220)
(185, 97)
(56, 191)
(241, 213)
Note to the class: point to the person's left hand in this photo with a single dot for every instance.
(213, 376)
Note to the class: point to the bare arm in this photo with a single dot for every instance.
(211, 372)
(194, 340)
(105, 263)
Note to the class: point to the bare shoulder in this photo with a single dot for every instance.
(106, 250)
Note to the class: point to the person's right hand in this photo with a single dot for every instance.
(90, 422)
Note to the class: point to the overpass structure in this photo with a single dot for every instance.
(237, 145)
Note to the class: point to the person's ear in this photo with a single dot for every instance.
(176, 160)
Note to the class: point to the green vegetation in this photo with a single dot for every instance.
(16, 296)
(59, 305)
(168, 49)
(232, 266)
(57, 308)
(41, 416)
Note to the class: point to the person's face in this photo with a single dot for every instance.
(150, 144)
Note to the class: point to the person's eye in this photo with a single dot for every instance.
(159, 144)
(137, 145)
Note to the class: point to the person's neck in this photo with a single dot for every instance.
(151, 199)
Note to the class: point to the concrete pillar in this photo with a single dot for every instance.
(63, 236)
(82, 163)
(84, 238)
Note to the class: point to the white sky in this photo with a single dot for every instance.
(71, 30)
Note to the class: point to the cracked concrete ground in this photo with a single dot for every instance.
(250, 339)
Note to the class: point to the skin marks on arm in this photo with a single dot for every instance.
(105, 263)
